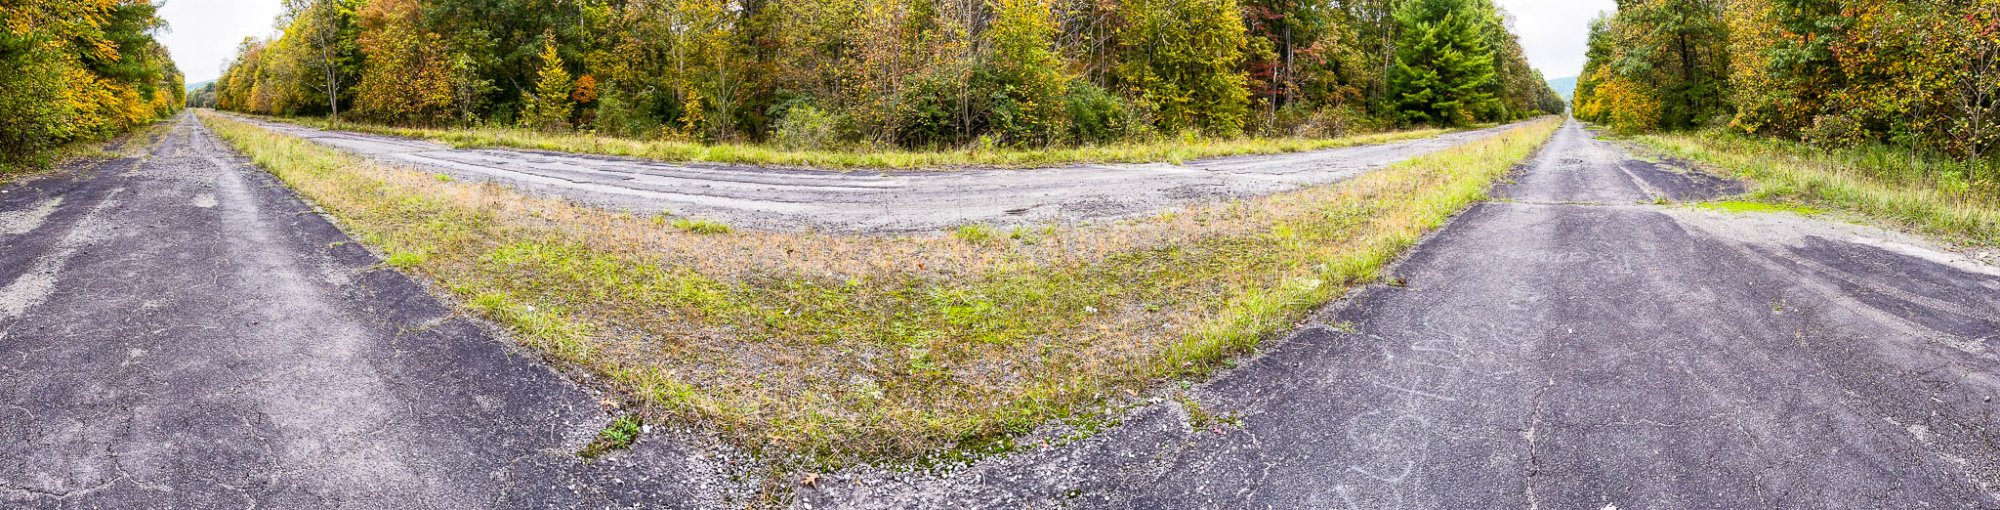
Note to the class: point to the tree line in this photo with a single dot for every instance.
(76, 70)
(1920, 74)
(909, 73)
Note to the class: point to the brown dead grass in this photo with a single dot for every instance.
(841, 348)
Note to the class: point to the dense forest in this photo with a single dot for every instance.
(1918, 74)
(74, 70)
(909, 73)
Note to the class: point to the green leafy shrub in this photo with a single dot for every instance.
(1025, 80)
(1095, 116)
(804, 126)
(927, 115)
(1184, 59)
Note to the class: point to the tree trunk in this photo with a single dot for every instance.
(1687, 98)
(332, 82)
(1289, 72)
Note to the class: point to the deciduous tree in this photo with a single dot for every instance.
(1183, 59)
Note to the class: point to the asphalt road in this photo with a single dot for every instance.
(1572, 346)
(179, 331)
(793, 200)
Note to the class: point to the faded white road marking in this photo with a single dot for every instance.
(27, 220)
(204, 200)
(38, 282)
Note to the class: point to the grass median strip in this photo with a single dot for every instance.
(1167, 149)
(842, 348)
(1916, 192)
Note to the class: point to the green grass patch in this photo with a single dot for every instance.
(1174, 150)
(1748, 207)
(830, 349)
(405, 259)
(975, 234)
(701, 226)
(1951, 200)
(619, 435)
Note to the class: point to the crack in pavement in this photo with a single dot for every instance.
(33, 286)
(1555, 348)
(198, 355)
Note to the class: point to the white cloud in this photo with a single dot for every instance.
(202, 34)
(1553, 32)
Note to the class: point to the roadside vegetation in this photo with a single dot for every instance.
(844, 348)
(133, 143)
(1881, 107)
(74, 73)
(1911, 74)
(890, 83)
(1927, 194)
(1174, 151)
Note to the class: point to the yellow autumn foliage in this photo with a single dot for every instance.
(70, 70)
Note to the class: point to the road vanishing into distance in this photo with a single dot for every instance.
(179, 330)
(906, 201)
(1572, 346)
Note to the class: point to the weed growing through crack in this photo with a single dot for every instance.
(619, 435)
(1200, 417)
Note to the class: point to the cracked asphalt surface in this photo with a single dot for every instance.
(1571, 345)
(792, 200)
(179, 330)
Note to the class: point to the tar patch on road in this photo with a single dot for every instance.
(1681, 181)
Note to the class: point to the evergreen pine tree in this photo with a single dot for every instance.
(550, 107)
(1444, 68)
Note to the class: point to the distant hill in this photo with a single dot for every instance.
(1566, 87)
(192, 86)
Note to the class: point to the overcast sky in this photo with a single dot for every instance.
(204, 33)
(1553, 31)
